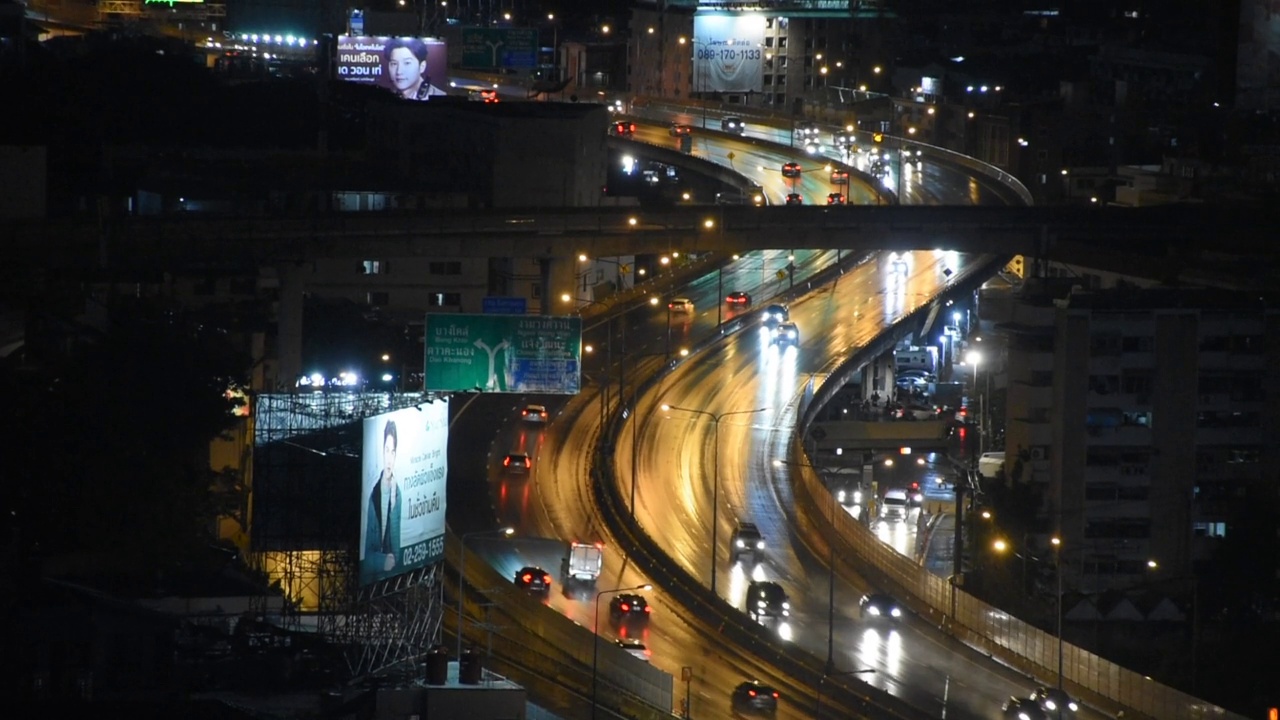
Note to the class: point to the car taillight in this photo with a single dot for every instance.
(626, 607)
(527, 462)
(775, 696)
(527, 577)
(648, 609)
(506, 462)
(752, 693)
(546, 579)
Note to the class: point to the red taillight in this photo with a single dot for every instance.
(527, 462)
(527, 577)
(546, 579)
(506, 462)
(752, 693)
(626, 607)
(648, 609)
(775, 696)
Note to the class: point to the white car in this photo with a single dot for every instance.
(680, 305)
(990, 464)
(534, 414)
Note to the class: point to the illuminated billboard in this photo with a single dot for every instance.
(503, 353)
(413, 68)
(728, 53)
(402, 491)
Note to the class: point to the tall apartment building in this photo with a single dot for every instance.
(1144, 414)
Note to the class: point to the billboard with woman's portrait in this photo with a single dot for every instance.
(412, 68)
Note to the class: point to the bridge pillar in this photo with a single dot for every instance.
(559, 276)
(289, 325)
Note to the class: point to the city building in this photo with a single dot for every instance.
(1142, 413)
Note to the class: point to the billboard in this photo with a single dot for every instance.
(503, 353)
(413, 68)
(728, 53)
(402, 490)
(499, 47)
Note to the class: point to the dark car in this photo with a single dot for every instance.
(794, 199)
(1016, 708)
(766, 599)
(835, 199)
(839, 177)
(1056, 703)
(629, 607)
(534, 413)
(785, 333)
(678, 129)
(738, 298)
(755, 697)
(746, 540)
(517, 463)
(775, 314)
(879, 605)
(791, 170)
(622, 128)
(733, 125)
(533, 578)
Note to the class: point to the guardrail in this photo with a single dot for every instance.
(982, 626)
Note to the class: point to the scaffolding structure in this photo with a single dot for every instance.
(304, 529)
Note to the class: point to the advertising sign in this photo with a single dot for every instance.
(503, 353)
(728, 53)
(499, 47)
(413, 68)
(403, 471)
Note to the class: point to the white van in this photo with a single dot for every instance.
(991, 464)
(915, 358)
(894, 505)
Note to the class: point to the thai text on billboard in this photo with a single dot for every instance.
(412, 68)
(403, 470)
(503, 353)
(728, 53)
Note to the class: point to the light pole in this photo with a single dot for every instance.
(462, 564)
(595, 649)
(699, 64)
(974, 358)
(831, 575)
(555, 46)
(608, 343)
(635, 417)
(829, 672)
(715, 471)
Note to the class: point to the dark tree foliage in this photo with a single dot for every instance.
(109, 444)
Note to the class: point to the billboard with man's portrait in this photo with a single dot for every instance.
(412, 68)
(403, 471)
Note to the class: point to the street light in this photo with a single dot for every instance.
(974, 358)
(595, 649)
(715, 470)
(831, 577)
(817, 712)
(608, 343)
(462, 564)
(635, 418)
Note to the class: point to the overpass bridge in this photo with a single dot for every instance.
(1192, 243)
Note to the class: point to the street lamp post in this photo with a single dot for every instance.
(595, 649)
(715, 471)
(974, 358)
(831, 574)
(462, 565)
(635, 417)
(608, 343)
(830, 672)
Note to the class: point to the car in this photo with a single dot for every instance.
(738, 298)
(746, 540)
(534, 413)
(767, 599)
(807, 130)
(1016, 708)
(835, 199)
(734, 125)
(914, 494)
(791, 170)
(912, 155)
(848, 490)
(844, 139)
(755, 697)
(916, 412)
(489, 96)
(918, 374)
(894, 504)
(517, 463)
(622, 128)
(878, 168)
(775, 314)
(991, 464)
(911, 383)
(534, 579)
(794, 199)
(880, 605)
(1055, 702)
(679, 129)
(629, 607)
(785, 334)
(839, 177)
(680, 305)
(635, 648)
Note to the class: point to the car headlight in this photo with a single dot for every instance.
(760, 603)
(896, 612)
(759, 544)
(1023, 716)
(786, 613)
(786, 606)
(1072, 706)
(857, 496)
(741, 544)
(840, 496)
(873, 609)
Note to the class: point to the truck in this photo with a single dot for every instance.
(583, 562)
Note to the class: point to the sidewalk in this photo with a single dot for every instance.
(936, 552)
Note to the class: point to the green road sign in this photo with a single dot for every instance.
(503, 353)
(499, 47)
